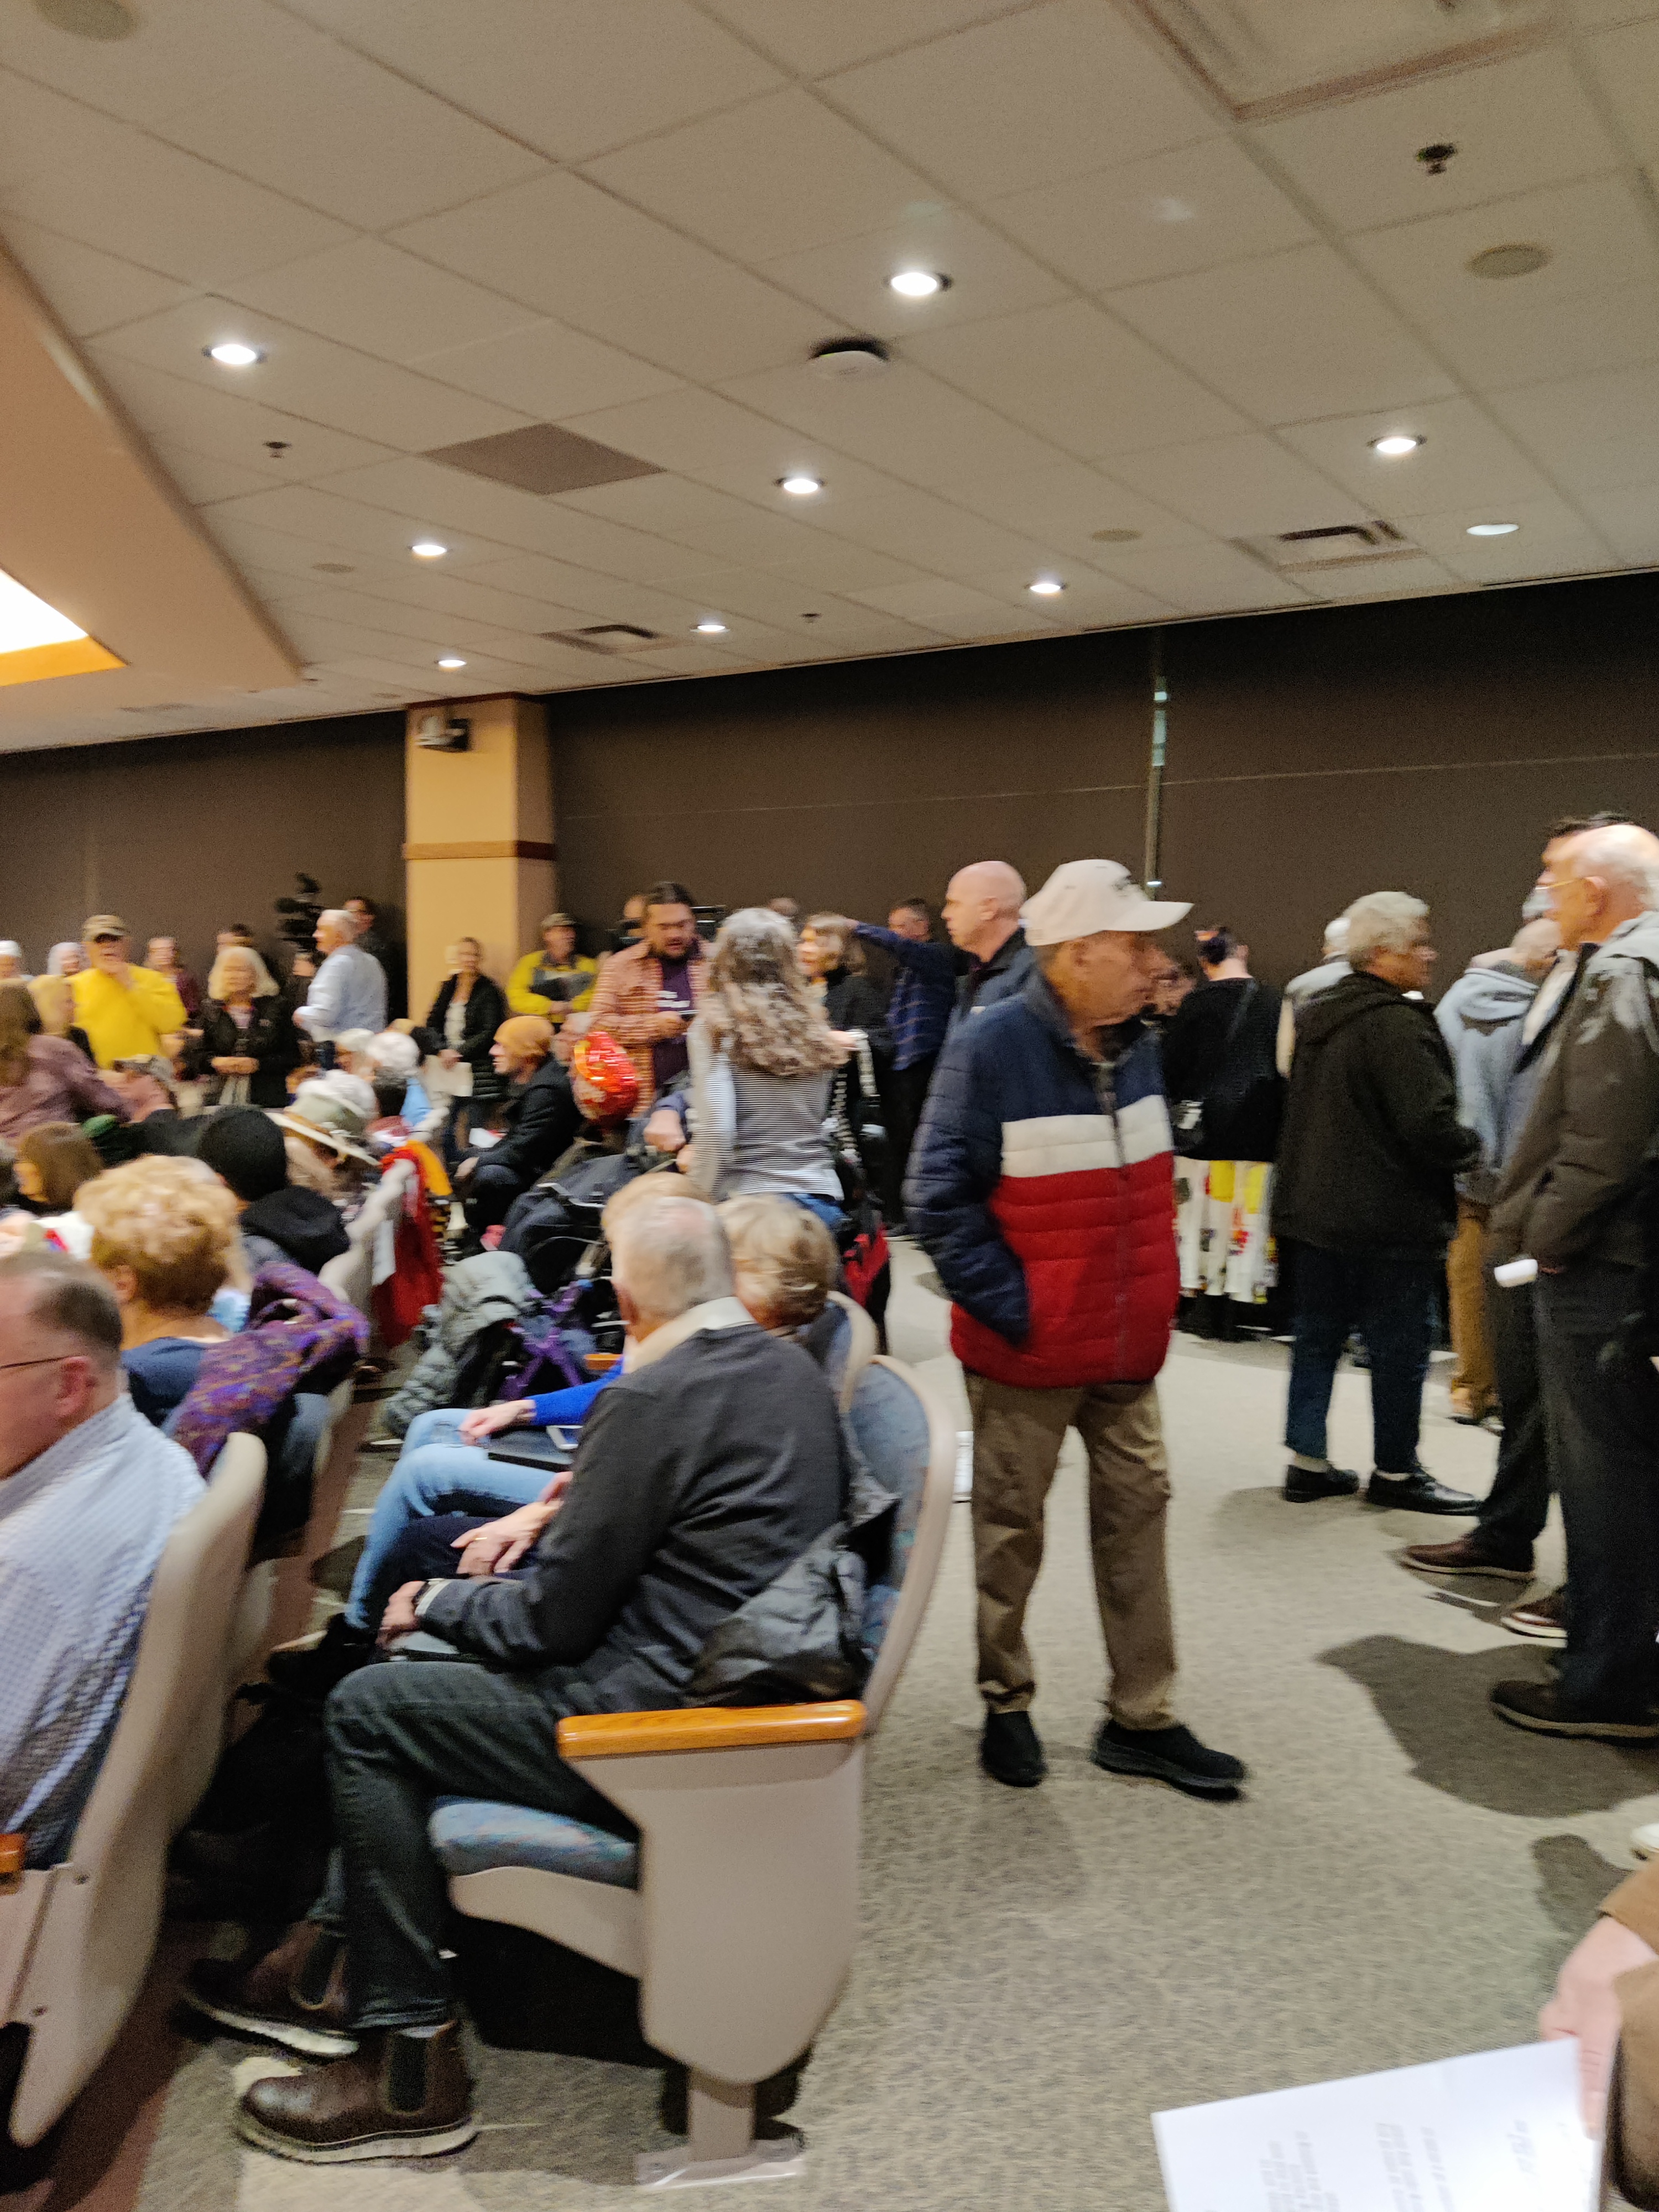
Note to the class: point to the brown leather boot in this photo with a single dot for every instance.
(295, 1995)
(1632, 2144)
(402, 2096)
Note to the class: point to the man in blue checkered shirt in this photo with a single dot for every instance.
(89, 1492)
(918, 1012)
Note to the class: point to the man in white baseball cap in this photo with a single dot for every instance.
(1041, 1187)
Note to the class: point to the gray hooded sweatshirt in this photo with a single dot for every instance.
(1481, 1018)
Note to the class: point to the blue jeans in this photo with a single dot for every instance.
(435, 1472)
(1388, 1296)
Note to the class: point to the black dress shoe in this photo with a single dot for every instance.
(1418, 1492)
(1174, 1755)
(1539, 1707)
(1304, 1484)
(1011, 1751)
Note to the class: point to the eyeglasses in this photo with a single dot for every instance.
(46, 1359)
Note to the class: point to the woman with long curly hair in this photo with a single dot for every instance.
(762, 1055)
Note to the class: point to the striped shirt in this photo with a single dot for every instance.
(82, 1528)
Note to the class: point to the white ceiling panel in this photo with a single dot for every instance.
(369, 295)
(304, 511)
(569, 76)
(1627, 65)
(778, 176)
(190, 50)
(1207, 579)
(1464, 456)
(1597, 235)
(565, 247)
(1394, 579)
(956, 609)
(228, 426)
(988, 277)
(1513, 341)
(750, 592)
(1551, 539)
(1593, 434)
(1066, 505)
(1237, 487)
(1192, 209)
(1049, 92)
(1287, 338)
(203, 480)
(89, 291)
(1074, 374)
(336, 132)
(812, 41)
(1627, 517)
(667, 505)
(1515, 124)
(549, 371)
(561, 585)
(705, 434)
(1599, 15)
(109, 185)
(311, 376)
(1088, 600)
(932, 534)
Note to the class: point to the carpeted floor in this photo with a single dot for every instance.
(1043, 1970)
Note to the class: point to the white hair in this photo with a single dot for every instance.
(337, 918)
(1336, 935)
(672, 1254)
(1621, 856)
(392, 1053)
(1383, 922)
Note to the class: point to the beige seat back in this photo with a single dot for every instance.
(96, 1929)
(910, 1443)
(864, 1341)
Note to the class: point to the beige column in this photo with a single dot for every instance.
(479, 859)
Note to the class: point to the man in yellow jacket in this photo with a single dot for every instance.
(550, 982)
(127, 1012)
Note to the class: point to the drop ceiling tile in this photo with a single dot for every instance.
(562, 583)
(776, 177)
(988, 275)
(706, 435)
(87, 290)
(1593, 434)
(1627, 517)
(932, 534)
(561, 244)
(548, 371)
(228, 427)
(1596, 233)
(202, 480)
(1464, 457)
(109, 185)
(1192, 209)
(1515, 124)
(251, 546)
(956, 609)
(366, 294)
(1026, 100)
(1237, 488)
(1073, 375)
(183, 50)
(304, 510)
(1065, 507)
(1207, 579)
(836, 564)
(569, 77)
(668, 506)
(813, 40)
(1553, 539)
(432, 632)
(903, 422)
(1601, 14)
(1626, 63)
(308, 376)
(336, 132)
(1088, 601)
(1515, 343)
(1394, 580)
(731, 592)
(1290, 337)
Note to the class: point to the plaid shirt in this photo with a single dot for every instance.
(924, 992)
(627, 1004)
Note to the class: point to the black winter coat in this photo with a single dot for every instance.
(486, 1010)
(270, 1038)
(541, 1120)
(1371, 1139)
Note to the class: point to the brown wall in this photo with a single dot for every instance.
(1312, 756)
(184, 834)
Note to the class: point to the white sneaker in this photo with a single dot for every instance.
(965, 1465)
(1644, 1840)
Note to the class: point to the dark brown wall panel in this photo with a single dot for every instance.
(187, 834)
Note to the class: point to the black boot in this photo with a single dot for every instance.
(1011, 1750)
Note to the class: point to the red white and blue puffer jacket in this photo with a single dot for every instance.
(1041, 1187)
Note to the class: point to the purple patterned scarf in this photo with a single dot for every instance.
(299, 1336)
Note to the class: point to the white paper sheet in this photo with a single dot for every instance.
(1496, 2132)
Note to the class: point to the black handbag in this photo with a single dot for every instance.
(1200, 1125)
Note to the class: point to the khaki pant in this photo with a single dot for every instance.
(1466, 1291)
(1017, 1435)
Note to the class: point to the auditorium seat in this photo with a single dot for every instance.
(75, 1938)
(854, 1345)
(737, 1909)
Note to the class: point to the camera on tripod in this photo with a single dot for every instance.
(297, 918)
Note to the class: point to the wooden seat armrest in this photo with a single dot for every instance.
(12, 1848)
(709, 1728)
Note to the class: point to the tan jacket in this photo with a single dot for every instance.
(625, 1004)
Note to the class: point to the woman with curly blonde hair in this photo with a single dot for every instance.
(762, 1057)
(163, 1238)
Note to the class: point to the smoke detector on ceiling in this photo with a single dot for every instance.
(844, 359)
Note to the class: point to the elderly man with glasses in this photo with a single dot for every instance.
(127, 1012)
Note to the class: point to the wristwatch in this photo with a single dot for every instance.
(429, 1591)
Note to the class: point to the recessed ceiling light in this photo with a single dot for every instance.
(800, 486)
(1396, 443)
(234, 353)
(429, 549)
(1047, 587)
(711, 628)
(1491, 529)
(1509, 261)
(1173, 210)
(451, 660)
(918, 284)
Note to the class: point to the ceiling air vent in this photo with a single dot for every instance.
(1334, 545)
(541, 458)
(1268, 58)
(611, 639)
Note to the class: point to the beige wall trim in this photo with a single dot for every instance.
(507, 849)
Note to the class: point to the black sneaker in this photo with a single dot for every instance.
(1304, 1484)
(1174, 1755)
(312, 1671)
(1418, 1492)
(1011, 1751)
